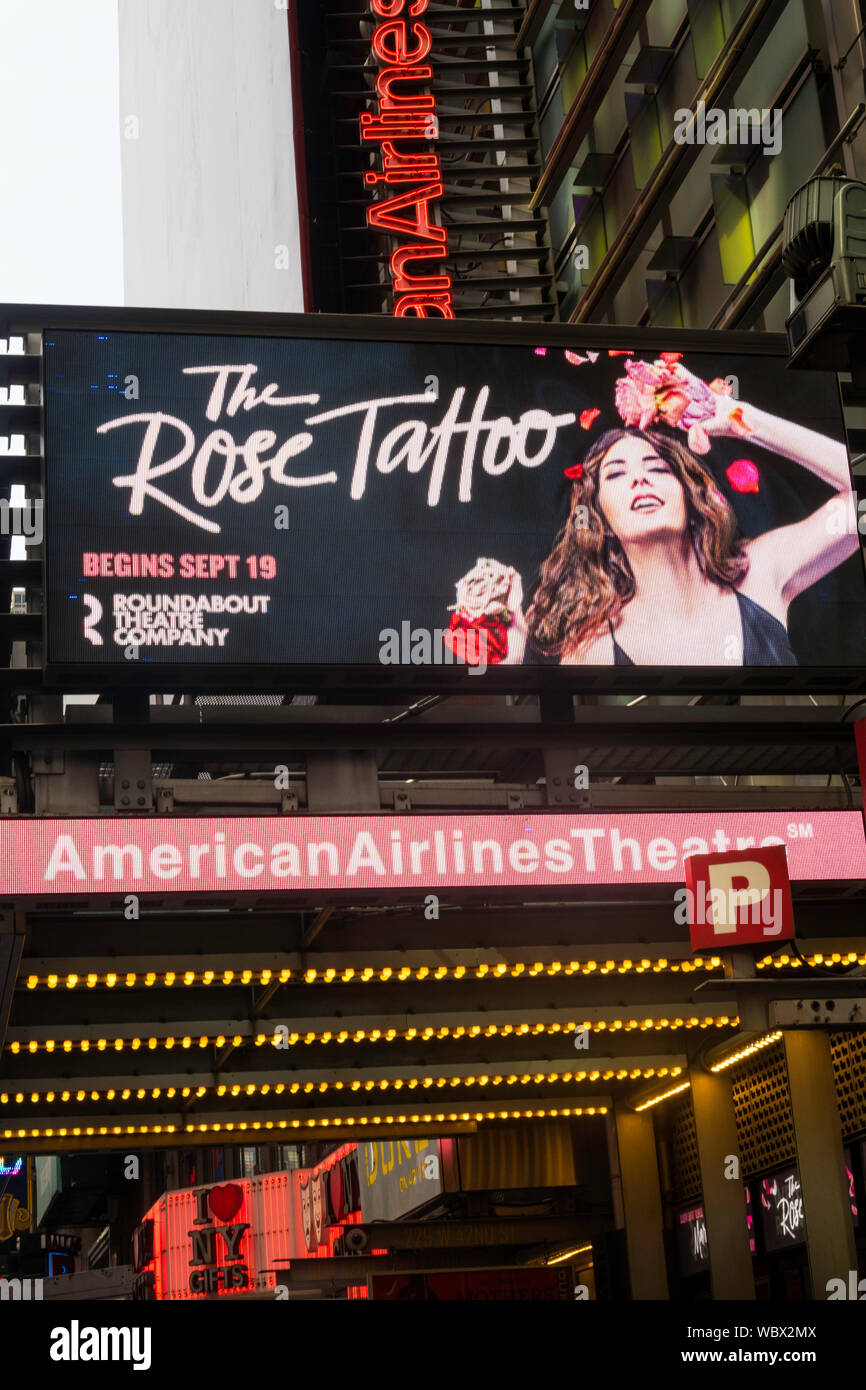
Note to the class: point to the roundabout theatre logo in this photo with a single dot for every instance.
(211, 1241)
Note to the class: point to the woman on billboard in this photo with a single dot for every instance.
(650, 567)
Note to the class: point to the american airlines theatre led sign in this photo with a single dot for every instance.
(393, 853)
(432, 511)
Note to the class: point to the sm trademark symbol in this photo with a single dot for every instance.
(798, 830)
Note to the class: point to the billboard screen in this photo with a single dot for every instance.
(418, 854)
(234, 501)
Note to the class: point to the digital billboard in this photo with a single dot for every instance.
(416, 854)
(222, 501)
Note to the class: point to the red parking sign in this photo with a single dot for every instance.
(860, 736)
(739, 897)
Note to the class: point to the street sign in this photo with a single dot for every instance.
(739, 897)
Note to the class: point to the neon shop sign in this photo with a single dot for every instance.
(11, 1170)
(210, 1241)
(412, 178)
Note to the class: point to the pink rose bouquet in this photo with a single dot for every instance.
(666, 391)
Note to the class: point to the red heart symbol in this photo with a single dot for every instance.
(225, 1201)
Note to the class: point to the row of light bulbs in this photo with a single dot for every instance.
(166, 979)
(294, 1088)
(428, 1034)
(401, 973)
(332, 1122)
(749, 1051)
(816, 959)
(757, 1045)
(664, 1095)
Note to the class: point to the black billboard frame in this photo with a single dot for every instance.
(375, 682)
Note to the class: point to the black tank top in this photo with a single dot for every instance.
(765, 641)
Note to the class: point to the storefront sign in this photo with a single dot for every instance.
(334, 503)
(217, 1247)
(14, 1218)
(398, 1175)
(410, 178)
(417, 853)
(329, 1194)
(738, 898)
(484, 1286)
(16, 1198)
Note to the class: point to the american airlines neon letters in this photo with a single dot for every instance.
(407, 116)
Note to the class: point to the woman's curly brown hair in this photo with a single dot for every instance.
(586, 580)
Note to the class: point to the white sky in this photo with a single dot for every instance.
(61, 237)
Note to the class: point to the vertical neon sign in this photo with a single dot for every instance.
(408, 117)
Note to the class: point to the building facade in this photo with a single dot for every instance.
(611, 178)
(637, 157)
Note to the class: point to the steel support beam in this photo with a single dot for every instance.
(818, 1139)
(642, 1203)
(356, 1269)
(497, 1230)
(721, 1185)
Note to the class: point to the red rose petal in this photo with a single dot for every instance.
(482, 641)
(743, 476)
(670, 358)
(626, 352)
(574, 472)
(588, 418)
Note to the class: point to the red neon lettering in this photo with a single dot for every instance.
(404, 281)
(382, 214)
(416, 306)
(407, 115)
(390, 101)
(404, 168)
(405, 126)
(397, 52)
(390, 8)
(395, 159)
(407, 176)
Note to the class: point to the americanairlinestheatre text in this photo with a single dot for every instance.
(442, 853)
